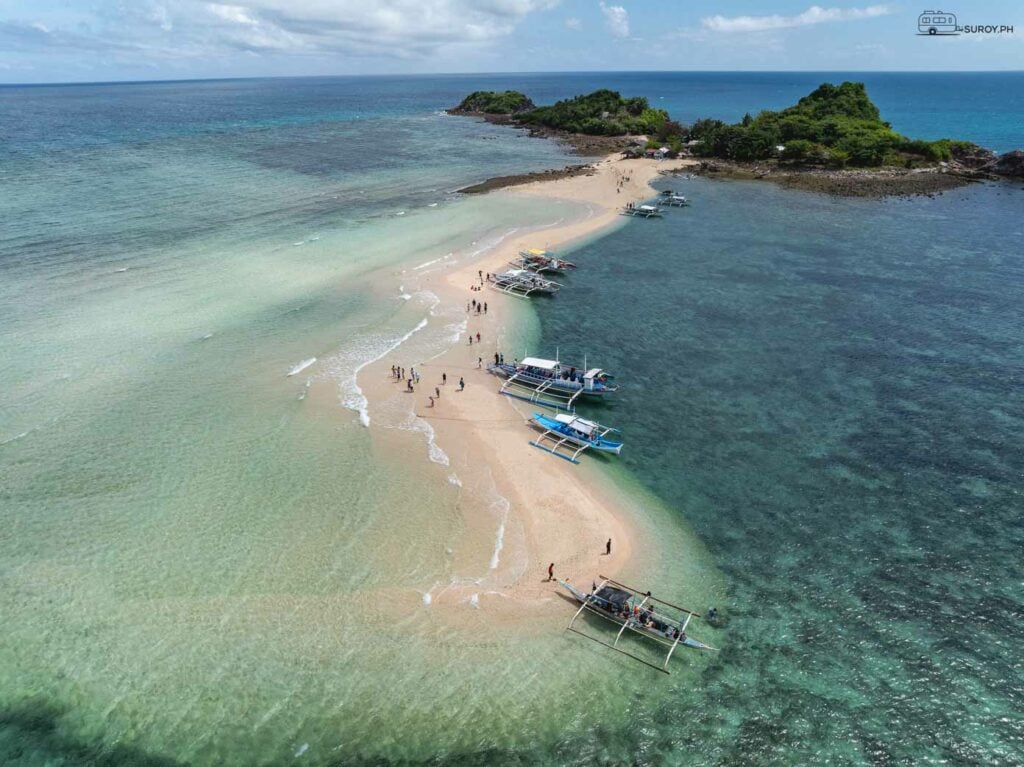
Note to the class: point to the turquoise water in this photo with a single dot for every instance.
(197, 544)
(830, 391)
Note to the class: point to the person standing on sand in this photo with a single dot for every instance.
(462, 384)
(608, 547)
(431, 402)
(470, 339)
(495, 358)
(437, 391)
(551, 571)
(479, 362)
(444, 378)
(478, 337)
(485, 307)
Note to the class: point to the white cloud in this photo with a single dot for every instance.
(572, 23)
(617, 19)
(813, 15)
(235, 13)
(197, 29)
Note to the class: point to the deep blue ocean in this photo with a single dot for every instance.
(828, 390)
(982, 107)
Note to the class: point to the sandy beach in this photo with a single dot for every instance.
(523, 509)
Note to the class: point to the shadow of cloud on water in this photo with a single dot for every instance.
(31, 733)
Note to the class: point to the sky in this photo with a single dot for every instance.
(113, 40)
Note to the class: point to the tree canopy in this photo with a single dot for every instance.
(495, 102)
(602, 113)
(835, 124)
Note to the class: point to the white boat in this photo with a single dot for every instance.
(642, 211)
(522, 283)
(675, 201)
(637, 612)
(568, 435)
(552, 383)
(541, 261)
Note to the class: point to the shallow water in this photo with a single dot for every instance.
(830, 391)
(195, 550)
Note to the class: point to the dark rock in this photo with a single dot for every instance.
(971, 156)
(1009, 165)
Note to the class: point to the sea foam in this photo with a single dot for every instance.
(301, 366)
(346, 365)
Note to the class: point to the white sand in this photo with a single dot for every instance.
(556, 511)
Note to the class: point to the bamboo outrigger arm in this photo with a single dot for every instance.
(679, 637)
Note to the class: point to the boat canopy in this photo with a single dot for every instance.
(593, 373)
(537, 362)
(536, 252)
(581, 425)
(647, 207)
(617, 597)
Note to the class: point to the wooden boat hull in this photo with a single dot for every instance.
(597, 443)
(556, 384)
(585, 598)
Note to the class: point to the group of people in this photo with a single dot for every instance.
(479, 306)
(398, 373)
(480, 274)
(645, 618)
(444, 382)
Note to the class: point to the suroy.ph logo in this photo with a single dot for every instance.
(935, 23)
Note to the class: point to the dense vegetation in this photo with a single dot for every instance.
(834, 125)
(495, 103)
(601, 113)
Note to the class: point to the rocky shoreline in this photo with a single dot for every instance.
(882, 182)
(965, 168)
(580, 143)
(500, 182)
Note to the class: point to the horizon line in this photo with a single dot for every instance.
(169, 81)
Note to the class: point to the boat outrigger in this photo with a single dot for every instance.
(541, 261)
(642, 211)
(522, 283)
(569, 435)
(638, 612)
(551, 383)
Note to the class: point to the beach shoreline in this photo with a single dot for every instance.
(522, 509)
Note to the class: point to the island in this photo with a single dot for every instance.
(833, 140)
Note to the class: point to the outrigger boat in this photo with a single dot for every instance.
(522, 283)
(541, 261)
(551, 383)
(642, 211)
(638, 612)
(675, 201)
(569, 435)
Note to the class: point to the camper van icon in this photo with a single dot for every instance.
(937, 23)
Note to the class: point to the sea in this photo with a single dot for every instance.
(822, 398)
